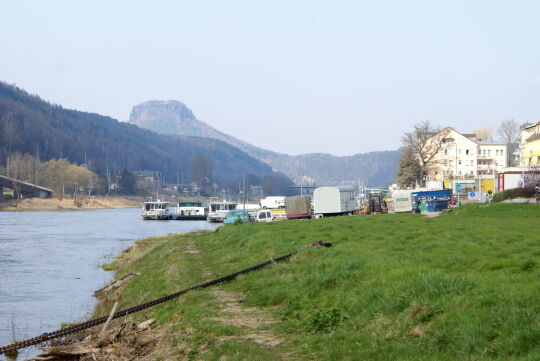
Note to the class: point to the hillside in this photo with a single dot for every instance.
(373, 169)
(30, 125)
(389, 288)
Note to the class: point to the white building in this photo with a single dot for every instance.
(526, 131)
(464, 157)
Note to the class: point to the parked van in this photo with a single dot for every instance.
(265, 216)
(273, 202)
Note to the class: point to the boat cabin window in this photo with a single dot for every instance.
(262, 215)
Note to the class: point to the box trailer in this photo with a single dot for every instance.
(402, 201)
(329, 201)
(298, 207)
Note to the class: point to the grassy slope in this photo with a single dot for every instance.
(464, 285)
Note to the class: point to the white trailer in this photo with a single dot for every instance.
(329, 201)
(273, 202)
(402, 201)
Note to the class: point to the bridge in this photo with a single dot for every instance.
(23, 189)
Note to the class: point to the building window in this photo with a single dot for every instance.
(446, 152)
(472, 162)
(450, 163)
(489, 152)
(459, 162)
(445, 162)
(467, 151)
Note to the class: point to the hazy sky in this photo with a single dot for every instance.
(341, 77)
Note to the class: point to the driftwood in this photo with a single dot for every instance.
(106, 325)
(146, 324)
(105, 344)
(115, 284)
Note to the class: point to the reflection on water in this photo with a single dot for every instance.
(50, 263)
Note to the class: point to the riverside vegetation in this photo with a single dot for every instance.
(464, 285)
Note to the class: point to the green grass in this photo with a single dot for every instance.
(462, 286)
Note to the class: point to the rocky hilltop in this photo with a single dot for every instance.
(372, 169)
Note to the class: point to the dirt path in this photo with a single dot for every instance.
(251, 320)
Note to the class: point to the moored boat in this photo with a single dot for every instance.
(190, 211)
(217, 210)
(156, 210)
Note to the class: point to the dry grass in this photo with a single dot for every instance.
(68, 203)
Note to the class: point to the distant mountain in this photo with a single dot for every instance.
(30, 125)
(373, 169)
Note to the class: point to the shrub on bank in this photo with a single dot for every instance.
(525, 192)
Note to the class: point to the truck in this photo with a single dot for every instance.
(272, 202)
(298, 207)
(333, 201)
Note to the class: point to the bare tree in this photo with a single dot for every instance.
(424, 142)
(483, 134)
(509, 131)
(531, 177)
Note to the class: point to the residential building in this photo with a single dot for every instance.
(466, 157)
(148, 179)
(529, 146)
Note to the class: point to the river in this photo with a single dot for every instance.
(50, 263)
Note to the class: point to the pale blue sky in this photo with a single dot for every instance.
(292, 76)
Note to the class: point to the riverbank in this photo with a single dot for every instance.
(97, 202)
(464, 285)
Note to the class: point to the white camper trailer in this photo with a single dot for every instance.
(329, 201)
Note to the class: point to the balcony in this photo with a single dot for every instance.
(484, 156)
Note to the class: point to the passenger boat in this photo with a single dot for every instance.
(217, 210)
(156, 210)
(190, 211)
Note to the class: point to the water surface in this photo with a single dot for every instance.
(50, 263)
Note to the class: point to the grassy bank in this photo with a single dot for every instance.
(464, 285)
(68, 203)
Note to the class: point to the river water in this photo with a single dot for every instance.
(50, 263)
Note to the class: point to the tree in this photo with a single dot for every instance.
(424, 142)
(200, 172)
(126, 182)
(409, 173)
(509, 131)
(276, 186)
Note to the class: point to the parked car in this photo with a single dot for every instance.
(236, 215)
(265, 216)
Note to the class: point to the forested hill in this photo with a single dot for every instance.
(30, 125)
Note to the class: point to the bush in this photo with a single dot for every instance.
(325, 321)
(525, 192)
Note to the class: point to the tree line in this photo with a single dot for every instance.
(59, 175)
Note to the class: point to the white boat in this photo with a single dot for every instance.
(217, 210)
(156, 210)
(190, 211)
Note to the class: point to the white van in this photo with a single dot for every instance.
(264, 216)
(273, 202)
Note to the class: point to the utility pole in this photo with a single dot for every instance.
(244, 193)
